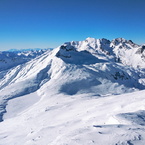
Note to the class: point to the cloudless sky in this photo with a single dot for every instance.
(49, 23)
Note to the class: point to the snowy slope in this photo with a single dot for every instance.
(75, 120)
(67, 96)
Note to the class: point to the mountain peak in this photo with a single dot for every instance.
(90, 39)
(119, 40)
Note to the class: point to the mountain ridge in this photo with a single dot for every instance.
(119, 50)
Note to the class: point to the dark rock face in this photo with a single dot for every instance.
(140, 50)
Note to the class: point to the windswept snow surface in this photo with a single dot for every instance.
(84, 119)
(87, 92)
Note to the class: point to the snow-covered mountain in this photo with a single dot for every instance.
(75, 94)
(14, 57)
(118, 50)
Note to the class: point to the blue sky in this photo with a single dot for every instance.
(49, 23)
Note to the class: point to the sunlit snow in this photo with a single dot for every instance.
(87, 92)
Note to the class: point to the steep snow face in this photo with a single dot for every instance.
(129, 53)
(102, 69)
(9, 59)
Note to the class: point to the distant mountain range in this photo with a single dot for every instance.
(14, 57)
